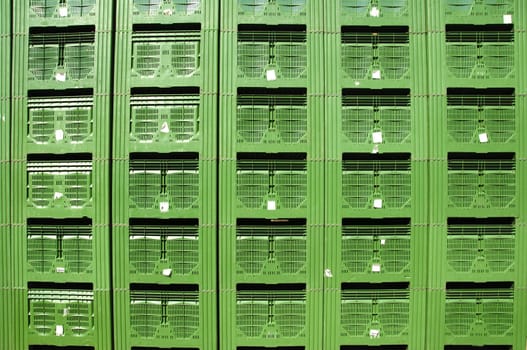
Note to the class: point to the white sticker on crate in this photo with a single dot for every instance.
(163, 207)
(57, 195)
(383, 241)
(375, 333)
(376, 268)
(167, 272)
(63, 11)
(483, 137)
(167, 12)
(375, 149)
(60, 269)
(271, 205)
(357, 83)
(65, 312)
(328, 273)
(164, 128)
(374, 12)
(60, 76)
(59, 135)
(377, 203)
(271, 75)
(376, 74)
(507, 19)
(377, 137)
(59, 330)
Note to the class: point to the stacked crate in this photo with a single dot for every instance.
(475, 209)
(375, 175)
(60, 232)
(164, 174)
(271, 173)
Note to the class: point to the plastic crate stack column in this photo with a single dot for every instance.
(271, 197)
(474, 208)
(375, 174)
(60, 148)
(164, 174)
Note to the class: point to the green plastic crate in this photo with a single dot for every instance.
(61, 8)
(479, 313)
(271, 249)
(59, 184)
(164, 315)
(480, 53)
(481, 183)
(166, 7)
(271, 183)
(274, 8)
(271, 119)
(164, 184)
(164, 249)
(379, 114)
(479, 7)
(278, 52)
(374, 8)
(481, 118)
(165, 119)
(59, 248)
(376, 247)
(476, 246)
(377, 182)
(271, 314)
(60, 120)
(59, 312)
(61, 57)
(166, 54)
(371, 54)
(375, 312)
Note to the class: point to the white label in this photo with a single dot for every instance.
(507, 19)
(328, 273)
(357, 83)
(375, 149)
(167, 12)
(374, 333)
(376, 268)
(377, 137)
(57, 195)
(271, 205)
(271, 75)
(60, 269)
(167, 272)
(377, 203)
(59, 135)
(483, 137)
(163, 207)
(59, 330)
(60, 76)
(65, 312)
(374, 12)
(376, 74)
(383, 241)
(63, 11)
(164, 128)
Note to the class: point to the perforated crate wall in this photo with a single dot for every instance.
(482, 182)
(266, 248)
(60, 247)
(58, 312)
(376, 246)
(480, 52)
(61, 57)
(375, 312)
(271, 118)
(480, 117)
(376, 116)
(169, 53)
(374, 8)
(377, 181)
(274, 8)
(59, 184)
(166, 7)
(60, 120)
(165, 183)
(268, 183)
(272, 54)
(164, 249)
(481, 246)
(165, 119)
(271, 314)
(479, 7)
(375, 53)
(62, 8)
(164, 315)
(479, 312)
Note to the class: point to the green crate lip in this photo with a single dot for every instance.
(87, 341)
